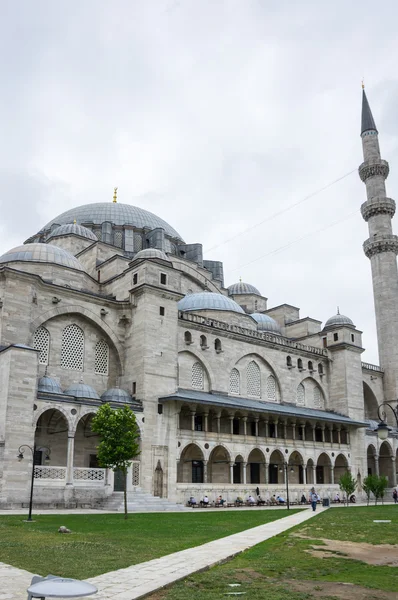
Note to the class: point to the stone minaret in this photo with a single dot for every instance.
(381, 248)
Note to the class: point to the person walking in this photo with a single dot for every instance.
(395, 496)
(313, 499)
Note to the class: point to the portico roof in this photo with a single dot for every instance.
(285, 410)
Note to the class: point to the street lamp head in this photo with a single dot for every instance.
(383, 430)
(291, 470)
(20, 456)
(47, 459)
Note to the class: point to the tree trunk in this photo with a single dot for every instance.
(125, 492)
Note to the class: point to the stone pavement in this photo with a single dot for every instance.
(139, 580)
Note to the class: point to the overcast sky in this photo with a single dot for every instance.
(214, 115)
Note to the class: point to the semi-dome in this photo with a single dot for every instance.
(116, 213)
(208, 301)
(242, 288)
(116, 395)
(81, 390)
(73, 229)
(266, 323)
(338, 321)
(151, 253)
(49, 385)
(45, 253)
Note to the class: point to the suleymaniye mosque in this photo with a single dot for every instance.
(109, 303)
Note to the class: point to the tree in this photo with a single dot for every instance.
(347, 485)
(382, 485)
(368, 486)
(119, 435)
(375, 485)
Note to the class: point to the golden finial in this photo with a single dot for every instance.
(363, 83)
(115, 195)
(74, 221)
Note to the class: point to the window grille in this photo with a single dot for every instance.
(300, 395)
(101, 357)
(317, 397)
(137, 242)
(41, 341)
(98, 233)
(197, 376)
(72, 349)
(271, 388)
(253, 379)
(234, 382)
(118, 238)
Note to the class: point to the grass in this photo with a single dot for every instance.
(102, 543)
(281, 569)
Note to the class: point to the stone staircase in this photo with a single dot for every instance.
(139, 501)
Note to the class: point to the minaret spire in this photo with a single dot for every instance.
(367, 121)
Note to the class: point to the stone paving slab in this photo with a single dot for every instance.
(139, 580)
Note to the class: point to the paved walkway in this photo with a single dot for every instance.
(139, 580)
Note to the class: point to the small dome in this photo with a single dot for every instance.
(151, 253)
(81, 390)
(338, 321)
(242, 288)
(45, 253)
(73, 229)
(116, 395)
(266, 323)
(49, 385)
(208, 301)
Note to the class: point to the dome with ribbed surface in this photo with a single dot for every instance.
(266, 323)
(338, 320)
(208, 301)
(239, 288)
(45, 253)
(81, 390)
(73, 229)
(116, 395)
(116, 213)
(49, 385)
(151, 253)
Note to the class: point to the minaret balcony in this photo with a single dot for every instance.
(378, 206)
(374, 168)
(379, 244)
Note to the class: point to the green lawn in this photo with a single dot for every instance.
(281, 569)
(102, 543)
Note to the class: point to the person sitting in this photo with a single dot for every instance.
(337, 498)
(280, 500)
(192, 501)
(251, 500)
(239, 501)
(303, 499)
(205, 501)
(353, 499)
(220, 501)
(260, 501)
(274, 500)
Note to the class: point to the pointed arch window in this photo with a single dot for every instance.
(234, 382)
(253, 379)
(72, 348)
(197, 376)
(271, 388)
(101, 364)
(41, 341)
(300, 395)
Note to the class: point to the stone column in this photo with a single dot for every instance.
(276, 428)
(70, 457)
(294, 430)
(332, 474)
(304, 475)
(266, 428)
(231, 472)
(256, 420)
(284, 430)
(244, 465)
(394, 472)
(206, 425)
(193, 415)
(266, 473)
(331, 433)
(323, 433)
(244, 419)
(218, 417)
(205, 471)
(302, 425)
(231, 424)
(348, 436)
(314, 474)
(339, 436)
(377, 465)
(313, 433)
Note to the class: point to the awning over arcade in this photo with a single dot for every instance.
(247, 404)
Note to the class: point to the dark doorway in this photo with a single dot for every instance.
(273, 474)
(118, 481)
(237, 472)
(254, 472)
(235, 426)
(197, 471)
(301, 474)
(93, 461)
(320, 478)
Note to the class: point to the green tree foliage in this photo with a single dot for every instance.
(373, 484)
(119, 435)
(367, 486)
(347, 485)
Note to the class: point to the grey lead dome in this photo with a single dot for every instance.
(116, 395)
(208, 301)
(242, 288)
(266, 323)
(73, 228)
(116, 213)
(45, 253)
(151, 253)
(338, 320)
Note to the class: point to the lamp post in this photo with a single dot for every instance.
(383, 429)
(21, 457)
(286, 470)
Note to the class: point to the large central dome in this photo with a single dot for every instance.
(113, 212)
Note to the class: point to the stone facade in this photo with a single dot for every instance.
(229, 396)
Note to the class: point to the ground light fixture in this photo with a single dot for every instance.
(21, 450)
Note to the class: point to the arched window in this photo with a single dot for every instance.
(41, 341)
(300, 395)
(101, 357)
(317, 397)
(255, 305)
(320, 369)
(197, 376)
(300, 364)
(217, 345)
(289, 361)
(310, 365)
(271, 388)
(72, 348)
(188, 337)
(234, 382)
(203, 342)
(253, 379)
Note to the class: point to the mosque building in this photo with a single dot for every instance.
(108, 303)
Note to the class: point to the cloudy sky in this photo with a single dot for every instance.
(214, 114)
